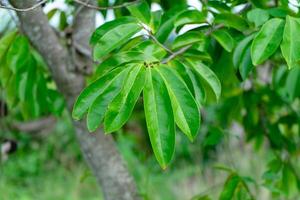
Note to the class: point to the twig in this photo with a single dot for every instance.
(106, 7)
(175, 54)
(150, 34)
(22, 9)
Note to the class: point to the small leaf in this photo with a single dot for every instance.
(267, 40)
(141, 11)
(209, 76)
(225, 39)
(90, 93)
(159, 117)
(121, 107)
(98, 108)
(232, 20)
(185, 109)
(290, 46)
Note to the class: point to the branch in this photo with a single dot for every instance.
(36, 126)
(23, 9)
(86, 4)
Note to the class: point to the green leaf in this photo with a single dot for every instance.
(159, 117)
(5, 42)
(224, 38)
(187, 38)
(242, 57)
(151, 50)
(245, 66)
(102, 30)
(230, 187)
(232, 20)
(98, 108)
(292, 83)
(209, 76)
(90, 93)
(267, 40)
(121, 107)
(258, 16)
(191, 80)
(113, 37)
(189, 17)
(185, 109)
(141, 11)
(290, 46)
(18, 54)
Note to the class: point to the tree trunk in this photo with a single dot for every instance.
(98, 149)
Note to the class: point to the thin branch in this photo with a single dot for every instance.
(86, 4)
(184, 49)
(22, 9)
(36, 126)
(177, 53)
(150, 34)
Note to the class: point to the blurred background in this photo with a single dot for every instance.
(252, 132)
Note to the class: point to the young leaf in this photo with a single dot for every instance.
(159, 117)
(121, 107)
(98, 108)
(225, 39)
(209, 76)
(90, 93)
(290, 46)
(267, 40)
(185, 109)
(113, 37)
(141, 11)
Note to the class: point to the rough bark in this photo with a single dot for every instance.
(98, 149)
